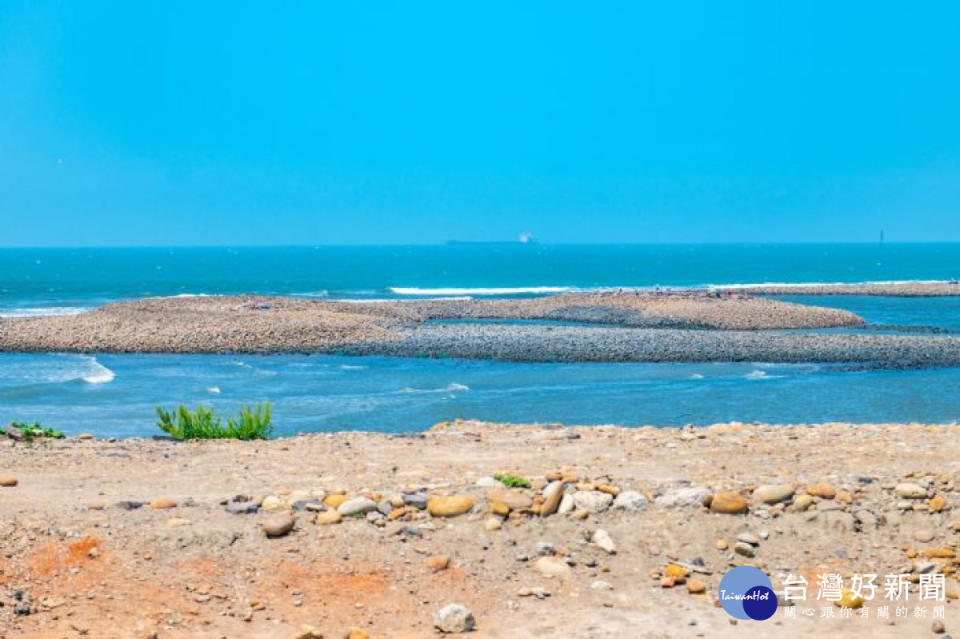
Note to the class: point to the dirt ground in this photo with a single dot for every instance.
(81, 557)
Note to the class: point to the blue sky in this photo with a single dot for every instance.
(137, 123)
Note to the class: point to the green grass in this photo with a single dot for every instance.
(203, 423)
(512, 481)
(35, 430)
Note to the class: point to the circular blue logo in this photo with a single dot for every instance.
(747, 593)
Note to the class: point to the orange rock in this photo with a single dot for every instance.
(8, 481)
(939, 553)
(437, 562)
(334, 501)
(162, 503)
(729, 502)
(822, 490)
(695, 587)
(936, 504)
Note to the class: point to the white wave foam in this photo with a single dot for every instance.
(372, 300)
(351, 367)
(449, 388)
(758, 374)
(43, 311)
(213, 390)
(518, 290)
(98, 373)
(696, 376)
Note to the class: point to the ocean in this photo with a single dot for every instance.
(115, 395)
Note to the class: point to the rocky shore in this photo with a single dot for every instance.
(603, 327)
(472, 529)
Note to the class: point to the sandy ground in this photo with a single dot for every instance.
(83, 561)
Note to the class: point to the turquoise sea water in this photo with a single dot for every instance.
(116, 394)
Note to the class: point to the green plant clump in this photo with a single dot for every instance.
(203, 423)
(35, 430)
(512, 481)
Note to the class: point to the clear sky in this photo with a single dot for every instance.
(168, 122)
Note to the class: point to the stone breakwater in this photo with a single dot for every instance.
(949, 288)
(371, 535)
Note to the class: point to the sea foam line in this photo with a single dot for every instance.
(506, 290)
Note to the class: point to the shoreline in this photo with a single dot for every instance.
(187, 547)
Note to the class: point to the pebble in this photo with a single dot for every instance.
(454, 618)
(744, 549)
(601, 585)
(729, 502)
(937, 627)
(592, 501)
(449, 506)
(242, 507)
(416, 500)
(174, 522)
(8, 481)
(308, 632)
(437, 563)
(749, 538)
(631, 501)
(162, 503)
(513, 498)
(566, 504)
(489, 482)
(924, 535)
(493, 523)
(357, 633)
(333, 501)
(803, 502)
(849, 599)
(278, 525)
(604, 541)
(328, 517)
(822, 490)
(553, 567)
(773, 493)
(683, 498)
(357, 506)
(936, 504)
(722, 544)
(552, 495)
(536, 591)
(695, 587)
(910, 491)
(271, 502)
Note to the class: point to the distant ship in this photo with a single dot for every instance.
(523, 238)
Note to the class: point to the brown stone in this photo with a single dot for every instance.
(162, 503)
(514, 498)
(278, 525)
(695, 587)
(729, 502)
(552, 495)
(334, 501)
(329, 517)
(936, 504)
(822, 490)
(8, 481)
(437, 562)
(449, 506)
